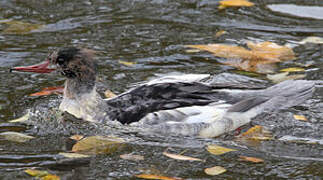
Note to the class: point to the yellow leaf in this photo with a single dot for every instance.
(109, 94)
(15, 136)
(234, 3)
(216, 170)
(50, 177)
(73, 155)
(256, 133)
(36, 173)
(218, 150)
(181, 157)
(152, 176)
(293, 69)
(126, 63)
(220, 33)
(251, 159)
(21, 119)
(98, 145)
(300, 117)
(132, 157)
(77, 137)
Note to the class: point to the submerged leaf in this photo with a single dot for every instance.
(260, 58)
(152, 176)
(15, 136)
(218, 150)
(251, 159)
(132, 157)
(98, 145)
(216, 170)
(18, 27)
(21, 119)
(234, 3)
(300, 117)
(48, 91)
(181, 157)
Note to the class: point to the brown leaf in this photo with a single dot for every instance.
(234, 3)
(218, 150)
(260, 58)
(48, 91)
(216, 170)
(181, 157)
(98, 145)
(15, 136)
(251, 159)
(132, 157)
(152, 176)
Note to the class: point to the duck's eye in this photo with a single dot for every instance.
(60, 61)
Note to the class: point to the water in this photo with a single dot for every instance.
(152, 34)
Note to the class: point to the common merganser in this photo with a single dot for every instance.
(179, 105)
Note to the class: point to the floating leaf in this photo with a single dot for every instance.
(312, 39)
(18, 27)
(36, 173)
(300, 117)
(98, 145)
(48, 91)
(181, 157)
(73, 155)
(260, 58)
(126, 63)
(218, 150)
(293, 69)
(257, 133)
(216, 170)
(132, 157)
(152, 176)
(234, 3)
(77, 137)
(280, 77)
(21, 119)
(109, 94)
(50, 177)
(220, 33)
(15, 136)
(251, 159)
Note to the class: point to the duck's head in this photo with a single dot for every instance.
(73, 63)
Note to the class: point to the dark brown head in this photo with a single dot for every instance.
(75, 63)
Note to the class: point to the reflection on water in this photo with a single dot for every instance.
(151, 33)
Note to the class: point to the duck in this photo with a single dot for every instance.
(188, 105)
